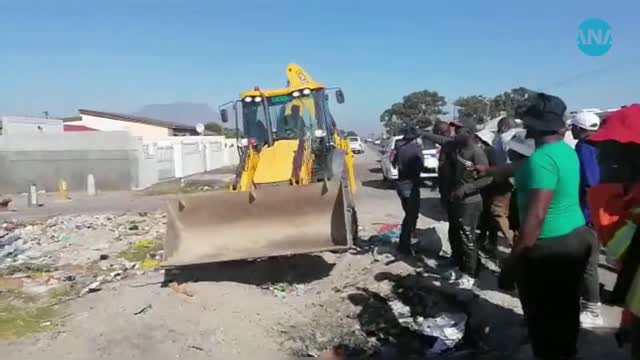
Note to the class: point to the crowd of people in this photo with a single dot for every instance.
(556, 207)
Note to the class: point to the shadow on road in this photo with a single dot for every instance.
(375, 170)
(378, 184)
(296, 269)
(431, 208)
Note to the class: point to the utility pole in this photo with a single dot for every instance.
(488, 101)
(46, 114)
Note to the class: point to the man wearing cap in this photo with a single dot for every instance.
(583, 124)
(465, 202)
(408, 160)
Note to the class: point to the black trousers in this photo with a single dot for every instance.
(549, 285)
(409, 193)
(463, 221)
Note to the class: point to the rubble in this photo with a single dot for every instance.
(93, 287)
(181, 289)
(282, 290)
(447, 328)
(85, 250)
(143, 310)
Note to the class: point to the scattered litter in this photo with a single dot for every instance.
(433, 240)
(149, 263)
(181, 289)
(389, 233)
(104, 256)
(118, 274)
(448, 328)
(282, 290)
(143, 310)
(400, 310)
(8, 238)
(93, 287)
(194, 347)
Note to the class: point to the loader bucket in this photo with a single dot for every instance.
(279, 220)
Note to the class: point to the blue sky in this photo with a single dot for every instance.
(120, 55)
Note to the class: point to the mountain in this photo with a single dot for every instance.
(180, 112)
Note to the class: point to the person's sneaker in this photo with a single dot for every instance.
(466, 282)
(591, 319)
(452, 275)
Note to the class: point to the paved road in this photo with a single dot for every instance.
(378, 204)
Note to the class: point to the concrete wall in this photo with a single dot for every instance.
(20, 124)
(134, 129)
(116, 160)
(43, 159)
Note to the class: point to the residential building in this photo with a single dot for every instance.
(23, 124)
(136, 125)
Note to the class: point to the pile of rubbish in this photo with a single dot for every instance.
(84, 250)
(432, 240)
(447, 328)
(76, 239)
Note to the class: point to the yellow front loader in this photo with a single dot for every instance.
(293, 191)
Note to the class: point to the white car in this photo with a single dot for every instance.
(356, 145)
(430, 160)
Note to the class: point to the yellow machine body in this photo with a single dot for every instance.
(276, 206)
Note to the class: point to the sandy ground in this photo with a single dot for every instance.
(233, 313)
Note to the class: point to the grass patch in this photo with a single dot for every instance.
(16, 296)
(59, 293)
(174, 187)
(36, 269)
(140, 251)
(18, 321)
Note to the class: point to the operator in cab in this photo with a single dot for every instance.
(294, 123)
(408, 159)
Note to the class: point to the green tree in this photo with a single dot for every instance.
(420, 109)
(474, 107)
(231, 133)
(217, 129)
(214, 127)
(511, 102)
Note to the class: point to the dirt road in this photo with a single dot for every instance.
(285, 307)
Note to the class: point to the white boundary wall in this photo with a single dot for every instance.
(176, 157)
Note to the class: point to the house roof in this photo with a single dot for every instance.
(71, 118)
(136, 119)
(74, 128)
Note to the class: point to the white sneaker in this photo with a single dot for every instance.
(466, 282)
(591, 319)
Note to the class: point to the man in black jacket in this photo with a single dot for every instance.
(465, 203)
(409, 161)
